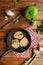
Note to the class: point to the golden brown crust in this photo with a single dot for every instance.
(24, 42)
(18, 35)
(15, 43)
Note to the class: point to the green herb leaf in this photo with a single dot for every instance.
(14, 1)
(40, 28)
(34, 22)
(23, 64)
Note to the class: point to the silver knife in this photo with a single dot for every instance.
(11, 22)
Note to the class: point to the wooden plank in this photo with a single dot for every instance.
(7, 61)
(38, 60)
(2, 16)
(19, 5)
(23, 21)
(14, 7)
(40, 16)
(21, 0)
(7, 4)
(3, 46)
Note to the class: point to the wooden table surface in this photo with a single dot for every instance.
(10, 58)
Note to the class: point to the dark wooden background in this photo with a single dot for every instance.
(10, 58)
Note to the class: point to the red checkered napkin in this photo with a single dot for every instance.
(34, 40)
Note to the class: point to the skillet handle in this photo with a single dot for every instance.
(4, 53)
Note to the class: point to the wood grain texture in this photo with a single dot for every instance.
(10, 58)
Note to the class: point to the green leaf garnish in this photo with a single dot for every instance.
(14, 1)
(40, 28)
(34, 22)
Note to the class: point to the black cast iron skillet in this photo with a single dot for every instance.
(9, 39)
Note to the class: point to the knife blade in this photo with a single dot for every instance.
(11, 22)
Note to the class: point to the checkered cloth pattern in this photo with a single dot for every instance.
(34, 40)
